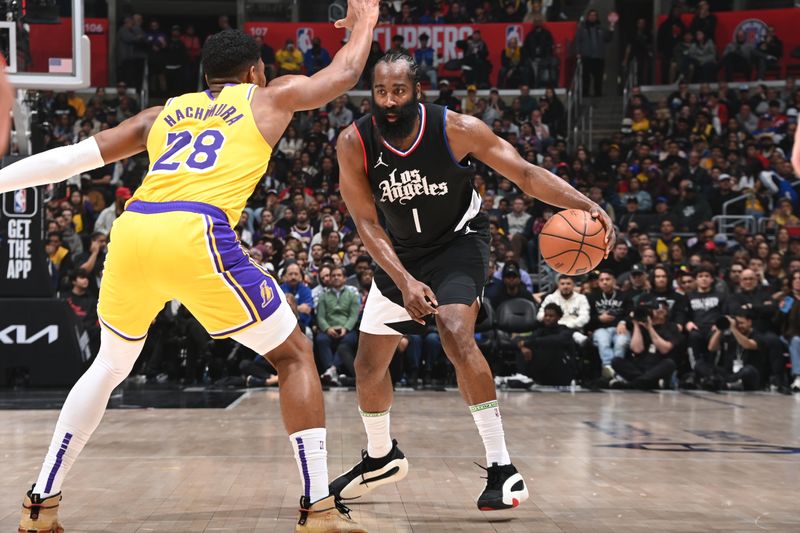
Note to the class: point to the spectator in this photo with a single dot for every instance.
(591, 41)
(640, 48)
(77, 103)
(110, 214)
(656, 344)
(289, 59)
(83, 303)
(670, 34)
(788, 321)
(267, 56)
(548, 354)
(156, 57)
(517, 219)
(93, 260)
(511, 287)
(511, 61)
(405, 16)
(702, 57)
(768, 53)
(682, 65)
(176, 64)
(456, 15)
(609, 309)
(705, 307)
(340, 116)
(510, 10)
(469, 103)
(131, 52)
(193, 48)
(316, 58)
(574, 307)
(293, 284)
(620, 261)
(666, 239)
(784, 215)
(476, 60)
(661, 287)
(446, 97)
(690, 208)
(539, 61)
(59, 263)
(398, 46)
(704, 21)
(427, 59)
(336, 319)
(738, 56)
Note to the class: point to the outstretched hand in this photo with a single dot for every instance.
(611, 236)
(359, 10)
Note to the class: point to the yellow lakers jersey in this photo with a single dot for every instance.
(206, 149)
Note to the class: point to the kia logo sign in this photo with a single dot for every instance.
(18, 334)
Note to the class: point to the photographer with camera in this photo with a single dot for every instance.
(738, 355)
(761, 308)
(656, 345)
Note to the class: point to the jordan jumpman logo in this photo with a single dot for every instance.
(380, 162)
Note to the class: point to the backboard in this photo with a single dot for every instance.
(45, 49)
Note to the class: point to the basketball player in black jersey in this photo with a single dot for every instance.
(413, 160)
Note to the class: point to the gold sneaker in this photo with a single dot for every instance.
(40, 515)
(326, 516)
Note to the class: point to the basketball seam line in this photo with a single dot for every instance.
(572, 240)
(585, 223)
(560, 253)
(583, 238)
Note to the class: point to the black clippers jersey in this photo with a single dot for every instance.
(426, 197)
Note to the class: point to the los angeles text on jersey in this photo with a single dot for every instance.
(226, 112)
(410, 185)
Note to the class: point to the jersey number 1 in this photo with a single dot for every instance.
(417, 225)
(205, 149)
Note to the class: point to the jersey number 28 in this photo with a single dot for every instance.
(205, 149)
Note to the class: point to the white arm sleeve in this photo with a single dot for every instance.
(52, 166)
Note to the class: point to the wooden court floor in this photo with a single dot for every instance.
(595, 462)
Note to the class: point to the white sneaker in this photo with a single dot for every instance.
(330, 376)
(796, 384)
(608, 372)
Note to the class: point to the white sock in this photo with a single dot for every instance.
(311, 455)
(490, 426)
(379, 441)
(84, 408)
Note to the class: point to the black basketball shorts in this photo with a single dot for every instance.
(456, 272)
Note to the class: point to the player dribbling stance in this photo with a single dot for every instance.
(412, 159)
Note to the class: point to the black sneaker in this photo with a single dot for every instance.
(505, 488)
(370, 474)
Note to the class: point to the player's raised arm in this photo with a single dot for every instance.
(58, 164)
(300, 93)
(471, 136)
(357, 194)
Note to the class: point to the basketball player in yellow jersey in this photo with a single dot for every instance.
(174, 241)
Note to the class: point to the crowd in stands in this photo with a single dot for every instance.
(690, 53)
(681, 301)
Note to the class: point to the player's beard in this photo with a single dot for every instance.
(402, 127)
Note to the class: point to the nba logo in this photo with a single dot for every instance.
(304, 38)
(20, 201)
(514, 30)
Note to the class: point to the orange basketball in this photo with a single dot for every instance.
(572, 242)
